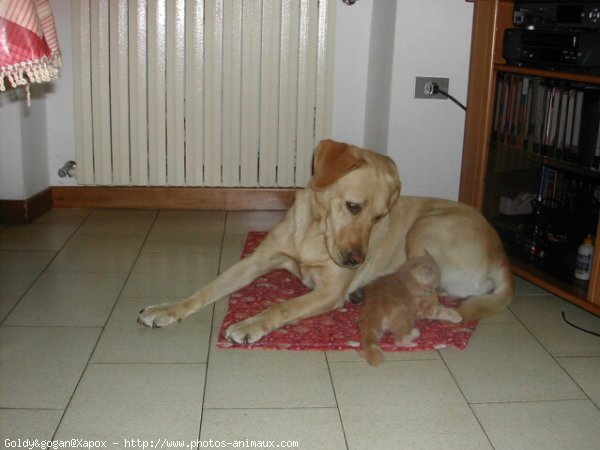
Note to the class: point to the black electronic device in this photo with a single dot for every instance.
(572, 51)
(575, 15)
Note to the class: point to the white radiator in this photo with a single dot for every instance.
(201, 92)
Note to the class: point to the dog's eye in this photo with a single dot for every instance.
(354, 208)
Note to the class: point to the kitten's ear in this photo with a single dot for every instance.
(428, 257)
(432, 266)
(423, 273)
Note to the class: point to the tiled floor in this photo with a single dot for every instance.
(75, 364)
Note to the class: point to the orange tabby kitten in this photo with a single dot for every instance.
(395, 302)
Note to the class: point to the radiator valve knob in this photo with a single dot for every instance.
(68, 170)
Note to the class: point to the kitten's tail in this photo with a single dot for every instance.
(370, 347)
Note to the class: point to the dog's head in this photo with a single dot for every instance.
(354, 190)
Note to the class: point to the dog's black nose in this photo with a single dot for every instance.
(354, 258)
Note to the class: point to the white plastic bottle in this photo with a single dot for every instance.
(585, 253)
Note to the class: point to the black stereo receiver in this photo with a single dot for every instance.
(577, 14)
(574, 51)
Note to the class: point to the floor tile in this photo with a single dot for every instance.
(524, 287)
(503, 362)
(126, 341)
(6, 304)
(312, 428)
(151, 384)
(119, 221)
(233, 246)
(189, 222)
(505, 316)
(220, 310)
(115, 402)
(68, 299)
(182, 242)
(18, 270)
(28, 424)
(542, 316)
(404, 404)
(35, 237)
(244, 221)
(586, 373)
(267, 379)
(63, 216)
(97, 260)
(572, 424)
(98, 253)
(352, 356)
(40, 367)
(105, 241)
(171, 274)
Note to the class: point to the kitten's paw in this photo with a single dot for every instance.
(451, 315)
(409, 338)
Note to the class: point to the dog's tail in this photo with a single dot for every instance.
(370, 347)
(493, 303)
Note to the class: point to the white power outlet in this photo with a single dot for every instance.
(424, 87)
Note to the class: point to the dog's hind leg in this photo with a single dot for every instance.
(471, 258)
(495, 302)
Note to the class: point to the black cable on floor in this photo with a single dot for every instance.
(562, 313)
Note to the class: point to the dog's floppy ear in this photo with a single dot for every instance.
(395, 193)
(332, 161)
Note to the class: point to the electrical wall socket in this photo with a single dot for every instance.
(421, 83)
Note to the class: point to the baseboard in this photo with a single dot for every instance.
(231, 199)
(25, 211)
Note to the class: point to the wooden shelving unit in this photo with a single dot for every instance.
(491, 19)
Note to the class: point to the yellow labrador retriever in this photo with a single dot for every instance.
(348, 227)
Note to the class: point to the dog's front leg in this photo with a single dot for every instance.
(236, 277)
(312, 304)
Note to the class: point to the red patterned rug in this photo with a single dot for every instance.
(336, 330)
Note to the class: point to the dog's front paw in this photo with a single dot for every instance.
(158, 316)
(246, 332)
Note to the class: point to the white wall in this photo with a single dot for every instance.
(23, 150)
(376, 61)
(433, 38)
(36, 141)
(381, 46)
(59, 103)
(12, 184)
(352, 42)
(379, 81)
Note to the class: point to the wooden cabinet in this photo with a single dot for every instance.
(484, 182)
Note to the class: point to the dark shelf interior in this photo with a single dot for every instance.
(545, 240)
